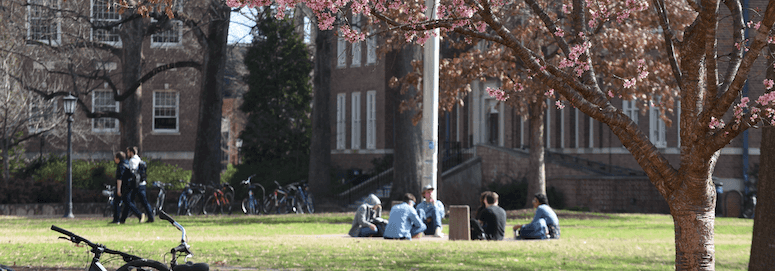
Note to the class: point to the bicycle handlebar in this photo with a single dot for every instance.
(78, 239)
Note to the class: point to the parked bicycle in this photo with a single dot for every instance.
(282, 200)
(161, 197)
(219, 200)
(134, 262)
(304, 198)
(110, 193)
(190, 200)
(253, 204)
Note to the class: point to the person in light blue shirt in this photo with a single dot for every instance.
(545, 224)
(431, 211)
(404, 223)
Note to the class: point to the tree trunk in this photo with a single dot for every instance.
(536, 172)
(6, 162)
(320, 146)
(132, 34)
(407, 156)
(207, 152)
(692, 207)
(763, 244)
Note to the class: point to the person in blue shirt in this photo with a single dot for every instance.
(431, 212)
(545, 224)
(404, 223)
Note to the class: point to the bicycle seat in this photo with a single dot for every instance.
(189, 266)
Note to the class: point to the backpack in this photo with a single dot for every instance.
(138, 174)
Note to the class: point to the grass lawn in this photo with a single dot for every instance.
(603, 242)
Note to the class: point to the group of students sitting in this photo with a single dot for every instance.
(407, 221)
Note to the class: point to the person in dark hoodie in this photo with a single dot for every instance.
(368, 221)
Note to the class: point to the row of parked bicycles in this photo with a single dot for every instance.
(196, 199)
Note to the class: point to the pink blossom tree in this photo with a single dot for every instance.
(562, 47)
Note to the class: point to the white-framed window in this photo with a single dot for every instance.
(371, 119)
(371, 50)
(165, 111)
(356, 46)
(41, 112)
(656, 126)
(103, 101)
(340, 118)
(355, 142)
(341, 49)
(630, 109)
(102, 13)
(172, 34)
(43, 23)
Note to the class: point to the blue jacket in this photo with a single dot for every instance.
(403, 221)
(545, 212)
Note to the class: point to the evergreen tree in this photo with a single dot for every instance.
(278, 102)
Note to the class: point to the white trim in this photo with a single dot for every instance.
(562, 127)
(371, 119)
(362, 151)
(371, 49)
(576, 133)
(356, 46)
(176, 107)
(656, 126)
(355, 128)
(591, 132)
(630, 109)
(341, 52)
(48, 108)
(340, 118)
(168, 34)
(103, 107)
(548, 124)
(57, 20)
(109, 12)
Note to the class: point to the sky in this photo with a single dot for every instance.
(239, 29)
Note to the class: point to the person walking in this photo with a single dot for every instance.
(123, 177)
(136, 165)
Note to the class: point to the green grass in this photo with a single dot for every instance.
(609, 242)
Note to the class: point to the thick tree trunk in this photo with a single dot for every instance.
(536, 172)
(6, 162)
(407, 156)
(692, 206)
(763, 244)
(320, 147)
(207, 152)
(131, 120)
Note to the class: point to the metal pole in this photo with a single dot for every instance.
(69, 206)
(430, 114)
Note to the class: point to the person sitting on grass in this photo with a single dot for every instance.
(493, 217)
(545, 224)
(404, 223)
(368, 221)
(431, 212)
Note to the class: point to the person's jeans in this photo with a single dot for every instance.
(432, 221)
(129, 204)
(367, 232)
(116, 206)
(140, 191)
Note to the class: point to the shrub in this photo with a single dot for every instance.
(511, 195)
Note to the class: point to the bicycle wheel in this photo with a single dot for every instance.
(228, 200)
(195, 205)
(246, 207)
(108, 210)
(269, 204)
(143, 264)
(211, 206)
(182, 207)
(310, 204)
(298, 204)
(159, 202)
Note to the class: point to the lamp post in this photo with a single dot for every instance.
(69, 104)
(239, 148)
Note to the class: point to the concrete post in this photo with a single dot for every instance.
(459, 222)
(430, 103)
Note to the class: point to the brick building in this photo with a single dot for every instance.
(169, 101)
(603, 175)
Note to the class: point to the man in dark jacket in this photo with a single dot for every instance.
(123, 175)
(493, 218)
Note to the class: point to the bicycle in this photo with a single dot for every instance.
(253, 204)
(161, 197)
(134, 262)
(110, 193)
(282, 200)
(304, 198)
(220, 200)
(189, 202)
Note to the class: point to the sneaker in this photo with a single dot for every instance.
(438, 232)
(114, 222)
(143, 218)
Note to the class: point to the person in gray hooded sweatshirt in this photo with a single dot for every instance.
(368, 221)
